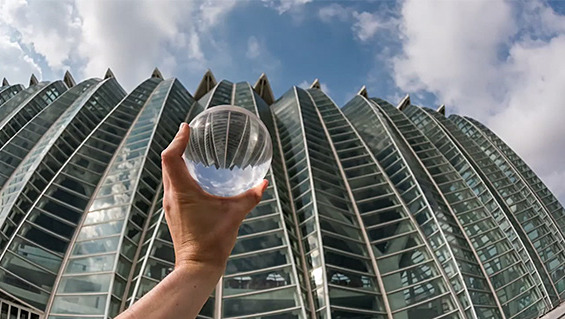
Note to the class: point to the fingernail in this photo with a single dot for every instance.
(181, 126)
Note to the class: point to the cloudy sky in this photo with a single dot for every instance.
(501, 62)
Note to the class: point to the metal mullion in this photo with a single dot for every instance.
(166, 262)
(422, 302)
(259, 292)
(506, 268)
(345, 212)
(376, 198)
(329, 194)
(251, 219)
(499, 256)
(398, 252)
(20, 257)
(333, 220)
(414, 284)
(343, 237)
(261, 251)
(513, 281)
(445, 315)
(24, 280)
(78, 211)
(483, 232)
(357, 310)
(51, 215)
(272, 312)
(427, 261)
(384, 209)
(71, 191)
(97, 238)
(478, 221)
(358, 290)
(258, 271)
(397, 160)
(396, 236)
(65, 173)
(25, 240)
(345, 253)
(383, 184)
(266, 232)
(46, 230)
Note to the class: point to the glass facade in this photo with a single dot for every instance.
(372, 211)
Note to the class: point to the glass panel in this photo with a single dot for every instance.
(259, 281)
(352, 299)
(89, 283)
(100, 230)
(96, 246)
(90, 264)
(84, 305)
(257, 303)
(256, 262)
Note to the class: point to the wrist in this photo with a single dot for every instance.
(210, 266)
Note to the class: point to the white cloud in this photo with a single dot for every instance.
(50, 28)
(283, 6)
(263, 61)
(253, 48)
(499, 62)
(334, 10)
(366, 25)
(17, 66)
(131, 38)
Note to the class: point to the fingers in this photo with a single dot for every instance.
(174, 167)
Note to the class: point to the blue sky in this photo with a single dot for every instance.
(498, 61)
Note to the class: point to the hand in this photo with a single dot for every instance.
(203, 226)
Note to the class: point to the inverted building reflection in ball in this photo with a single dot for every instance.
(229, 151)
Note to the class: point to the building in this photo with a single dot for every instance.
(372, 211)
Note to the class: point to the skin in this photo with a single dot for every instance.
(204, 230)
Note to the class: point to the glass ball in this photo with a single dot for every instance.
(229, 150)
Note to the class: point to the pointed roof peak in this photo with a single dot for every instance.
(206, 84)
(404, 102)
(33, 80)
(363, 92)
(263, 88)
(109, 74)
(315, 84)
(68, 79)
(5, 82)
(157, 74)
(441, 109)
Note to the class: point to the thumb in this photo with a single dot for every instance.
(251, 197)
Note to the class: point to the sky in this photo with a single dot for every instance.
(501, 62)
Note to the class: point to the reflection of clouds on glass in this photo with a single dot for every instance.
(100, 230)
(230, 150)
(227, 182)
(106, 214)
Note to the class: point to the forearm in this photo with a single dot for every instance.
(180, 295)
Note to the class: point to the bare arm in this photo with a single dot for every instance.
(203, 228)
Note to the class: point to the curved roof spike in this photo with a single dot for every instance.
(68, 79)
(206, 84)
(441, 109)
(363, 92)
(157, 74)
(33, 80)
(315, 84)
(404, 103)
(5, 82)
(263, 88)
(109, 74)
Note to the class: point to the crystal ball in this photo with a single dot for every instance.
(229, 150)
